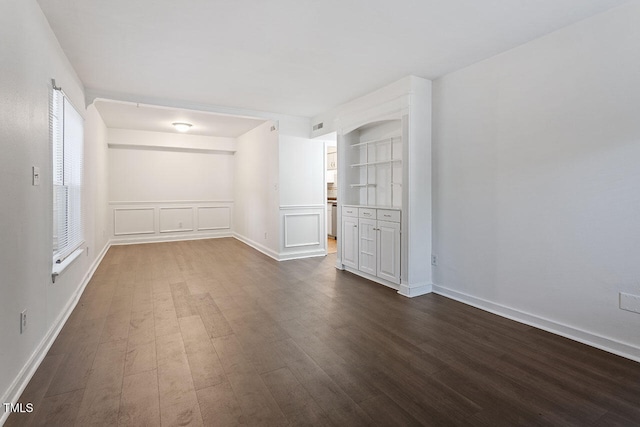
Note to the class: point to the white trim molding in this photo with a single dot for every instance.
(169, 220)
(118, 146)
(303, 254)
(299, 207)
(142, 231)
(286, 230)
(415, 290)
(169, 202)
(304, 238)
(200, 220)
(189, 218)
(257, 246)
(594, 340)
(368, 276)
(170, 238)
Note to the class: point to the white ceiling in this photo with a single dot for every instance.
(299, 57)
(127, 115)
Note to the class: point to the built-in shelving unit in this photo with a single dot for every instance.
(384, 148)
(375, 160)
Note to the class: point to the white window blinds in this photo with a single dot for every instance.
(67, 136)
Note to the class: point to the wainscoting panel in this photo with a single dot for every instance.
(128, 221)
(176, 220)
(303, 231)
(162, 221)
(214, 218)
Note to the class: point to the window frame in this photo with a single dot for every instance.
(66, 126)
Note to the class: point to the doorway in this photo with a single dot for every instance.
(331, 184)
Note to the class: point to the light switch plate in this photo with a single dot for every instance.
(23, 321)
(36, 175)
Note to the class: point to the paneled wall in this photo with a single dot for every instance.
(161, 221)
(165, 186)
(302, 210)
(303, 231)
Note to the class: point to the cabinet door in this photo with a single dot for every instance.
(350, 241)
(367, 255)
(388, 261)
(329, 224)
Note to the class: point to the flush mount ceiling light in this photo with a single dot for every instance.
(181, 126)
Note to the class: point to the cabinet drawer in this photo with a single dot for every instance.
(348, 211)
(366, 213)
(388, 215)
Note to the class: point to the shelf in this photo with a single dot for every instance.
(375, 141)
(381, 162)
(362, 185)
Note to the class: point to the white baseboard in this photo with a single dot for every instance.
(29, 369)
(302, 254)
(278, 256)
(594, 340)
(415, 290)
(257, 246)
(134, 240)
(371, 277)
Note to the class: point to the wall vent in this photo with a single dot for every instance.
(318, 126)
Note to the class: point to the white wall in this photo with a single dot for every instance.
(96, 178)
(31, 56)
(168, 186)
(301, 171)
(156, 166)
(303, 206)
(256, 192)
(537, 181)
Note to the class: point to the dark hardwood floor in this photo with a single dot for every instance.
(212, 332)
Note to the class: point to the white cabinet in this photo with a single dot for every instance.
(368, 246)
(371, 245)
(350, 241)
(384, 145)
(388, 257)
(329, 222)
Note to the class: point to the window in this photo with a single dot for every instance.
(67, 139)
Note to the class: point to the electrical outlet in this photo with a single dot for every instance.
(23, 321)
(630, 302)
(265, 235)
(180, 224)
(434, 259)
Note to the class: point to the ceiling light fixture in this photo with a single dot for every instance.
(181, 126)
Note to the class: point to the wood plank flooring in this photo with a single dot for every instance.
(332, 245)
(214, 333)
